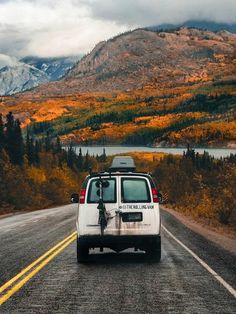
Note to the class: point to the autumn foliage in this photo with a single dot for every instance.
(42, 175)
(202, 114)
(200, 186)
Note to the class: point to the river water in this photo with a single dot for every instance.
(112, 150)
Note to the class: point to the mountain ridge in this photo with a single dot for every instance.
(30, 72)
(153, 57)
(141, 87)
(20, 77)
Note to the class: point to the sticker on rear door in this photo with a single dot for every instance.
(136, 207)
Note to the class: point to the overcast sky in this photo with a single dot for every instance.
(71, 27)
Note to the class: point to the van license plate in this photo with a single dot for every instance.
(132, 217)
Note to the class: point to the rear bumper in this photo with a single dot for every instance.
(119, 243)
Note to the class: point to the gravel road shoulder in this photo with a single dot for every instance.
(228, 242)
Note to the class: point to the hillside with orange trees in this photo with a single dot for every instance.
(141, 87)
(48, 175)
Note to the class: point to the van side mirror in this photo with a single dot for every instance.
(74, 198)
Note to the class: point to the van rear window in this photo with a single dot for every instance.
(135, 190)
(109, 191)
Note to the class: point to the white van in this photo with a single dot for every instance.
(118, 209)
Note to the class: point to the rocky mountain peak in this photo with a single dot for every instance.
(141, 57)
(30, 72)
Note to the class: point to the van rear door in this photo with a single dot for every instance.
(139, 214)
(89, 214)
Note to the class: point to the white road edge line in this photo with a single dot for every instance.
(200, 261)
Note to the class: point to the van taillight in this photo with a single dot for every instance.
(82, 196)
(155, 195)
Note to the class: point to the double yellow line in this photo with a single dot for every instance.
(14, 284)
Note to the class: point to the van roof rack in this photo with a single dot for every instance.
(122, 164)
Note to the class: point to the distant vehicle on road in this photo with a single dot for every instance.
(118, 209)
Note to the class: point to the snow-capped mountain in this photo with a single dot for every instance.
(20, 77)
(30, 72)
(55, 68)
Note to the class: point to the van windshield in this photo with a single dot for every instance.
(135, 190)
(109, 191)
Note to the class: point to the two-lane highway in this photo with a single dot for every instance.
(38, 250)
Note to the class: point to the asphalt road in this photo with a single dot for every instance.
(112, 283)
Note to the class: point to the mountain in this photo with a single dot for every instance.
(30, 72)
(204, 25)
(143, 57)
(55, 68)
(141, 87)
(20, 77)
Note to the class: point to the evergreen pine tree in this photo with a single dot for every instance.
(14, 140)
(80, 160)
(58, 145)
(2, 135)
(29, 148)
(104, 156)
(47, 142)
(86, 162)
(10, 136)
(18, 157)
(36, 153)
(32, 152)
(70, 155)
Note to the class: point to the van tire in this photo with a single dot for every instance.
(154, 252)
(82, 252)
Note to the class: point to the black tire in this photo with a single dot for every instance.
(154, 252)
(82, 252)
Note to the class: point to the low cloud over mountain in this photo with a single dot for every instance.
(60, 28)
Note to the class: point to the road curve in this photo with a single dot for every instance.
(112, 283)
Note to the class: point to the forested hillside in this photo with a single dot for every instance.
(199, 186)
(194, 114)
(35, 174)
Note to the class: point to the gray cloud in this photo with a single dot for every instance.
(148, 12)
(59, 27)
(12, 41)
(7, 61)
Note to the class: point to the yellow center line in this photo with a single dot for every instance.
(25, 270)
(23, 281)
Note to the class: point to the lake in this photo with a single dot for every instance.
(112, 150)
